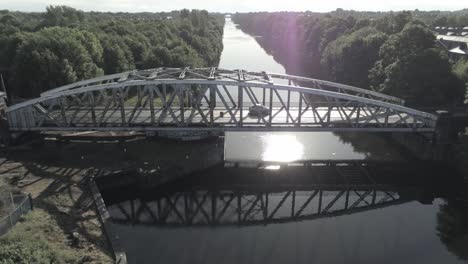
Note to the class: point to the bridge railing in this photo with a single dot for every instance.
(176, 102)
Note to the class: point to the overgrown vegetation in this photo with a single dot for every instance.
(40, 51)
(394, 53)
(36, 239)
(461, 70)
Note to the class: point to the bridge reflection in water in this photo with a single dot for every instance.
(265, 194)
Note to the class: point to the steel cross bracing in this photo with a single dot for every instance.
(212, 99)
(225, 207)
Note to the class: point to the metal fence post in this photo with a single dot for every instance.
(30, 201)
(12, 202)
(11, 221)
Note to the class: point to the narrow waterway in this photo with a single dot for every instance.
(242, 51)
(398, 211)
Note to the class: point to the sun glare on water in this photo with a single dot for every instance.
(281, 148)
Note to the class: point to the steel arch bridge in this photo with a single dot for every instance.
(213, 100)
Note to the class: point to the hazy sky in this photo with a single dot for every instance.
(236, 5)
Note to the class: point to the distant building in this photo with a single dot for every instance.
(451, 31)
(455, 45)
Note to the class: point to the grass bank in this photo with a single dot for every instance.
(64, 227)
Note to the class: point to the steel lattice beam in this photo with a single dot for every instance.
(210, 99)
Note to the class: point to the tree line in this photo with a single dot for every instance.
(40, 51)
(393, 53)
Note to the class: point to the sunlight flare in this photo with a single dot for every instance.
(281, 148)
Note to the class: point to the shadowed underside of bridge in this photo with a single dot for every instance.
(213, 100)
(225, 196)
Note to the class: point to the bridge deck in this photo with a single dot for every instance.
(141, 119)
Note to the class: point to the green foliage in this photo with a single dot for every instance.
(35, 239)
(460, 69)
(62, 16)
(51, 57)
(411, 67)
(13, 251)
(394, 53)
(349, 58)
(452, 229)
(44, 50)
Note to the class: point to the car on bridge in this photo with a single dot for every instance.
(259, 111)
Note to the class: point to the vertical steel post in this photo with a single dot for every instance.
(122, 106)
(300, 111)
(319, 210)
(181, 95)
(293, 203)
(212, 103)
(151, 101)
(213, 208)
(239, 208)
(240, 97)
(288, 106)
(263, 96)
(91, 103)
(271, 108)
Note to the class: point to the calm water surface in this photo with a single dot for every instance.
(409, 221)
(242, 51)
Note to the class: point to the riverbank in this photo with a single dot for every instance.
(65, 219)
(56, 173)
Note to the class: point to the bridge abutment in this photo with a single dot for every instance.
(446, 130)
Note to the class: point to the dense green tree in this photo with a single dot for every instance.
(62, 16)
(158, 57)
(349, 58)
(412, 68)
(461, 71)
(452, 229)
(395, 53)
(117, 55)
(51, 57)
(39, 51)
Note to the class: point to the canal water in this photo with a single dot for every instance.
(343, 198)
(242, 51)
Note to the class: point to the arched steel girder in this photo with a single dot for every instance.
(224, 74)
(180, 104)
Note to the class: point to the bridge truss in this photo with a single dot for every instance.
(224, 208)
(213, 100)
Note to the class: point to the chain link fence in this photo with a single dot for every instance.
(12, 207)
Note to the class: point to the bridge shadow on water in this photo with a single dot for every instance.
(230, 195)
(245, 195)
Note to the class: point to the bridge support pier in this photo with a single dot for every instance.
(446, 132)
